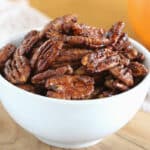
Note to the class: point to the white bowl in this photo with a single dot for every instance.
(72, 124)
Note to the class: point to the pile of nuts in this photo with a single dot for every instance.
(69, 60)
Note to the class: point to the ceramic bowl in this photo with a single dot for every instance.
(72, 124)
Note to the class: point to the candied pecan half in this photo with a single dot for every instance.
(28, 42)
(86, 41)
(17, 70)
(101, 60)
(124, 74)
(5, 53)
(46, 55)
(70, 86)
(74, 54)
(115, 84)
(84, 30)
(41, 77)
(58, 23)
(27, 87)
(122, 43)
(115, 32)
(130, 52)
(138, 69)
(35, 53)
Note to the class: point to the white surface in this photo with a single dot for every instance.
(73, 123)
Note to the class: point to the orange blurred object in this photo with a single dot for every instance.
(139, 16)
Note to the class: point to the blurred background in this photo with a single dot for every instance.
(100, 13)
(94, 12)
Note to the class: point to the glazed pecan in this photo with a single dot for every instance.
(5, 53)
(101, 60)
(138, 69)
(83, 30)
(46, 55)
(28, 42)
(17, 70)
(115, 32)
(70, 86)
(115, 84)
(42, 77)
(124, 74)
(122, 43)
(70, 55)
(28, 87)
(58, 23)
(89, 42)
(131, 53)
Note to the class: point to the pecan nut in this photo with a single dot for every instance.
(17, 70)
(27, 44)
(84, 30)
(89, 42)
(138, 69)
(101, 60)
(46, 55)
(115, 84)
(124, 74)
(115, 32)
(5, 53)
(58, 23)
(70, 55)
(70, 87)
(41, 78)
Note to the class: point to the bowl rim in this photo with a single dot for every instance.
(83, 101)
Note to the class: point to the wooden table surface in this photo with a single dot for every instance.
(134, 136)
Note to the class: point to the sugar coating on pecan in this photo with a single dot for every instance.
(5, 53)
(17, 70)
(70, 87)
(101, 60)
